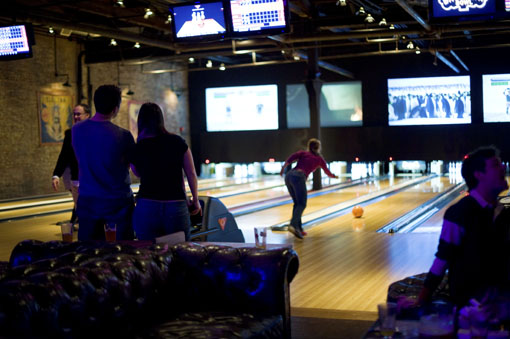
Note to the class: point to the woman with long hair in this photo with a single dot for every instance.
(307, 162)
(160, 157)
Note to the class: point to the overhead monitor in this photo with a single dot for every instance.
(340, 105)
(446, 11)
(15, 42)
(496, 97)
(241, 108)
(198, 20)
(249, 17)
(429, 101)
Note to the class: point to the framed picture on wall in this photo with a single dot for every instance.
(133, 108)
(55, 115)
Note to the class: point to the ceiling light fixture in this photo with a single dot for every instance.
(120, 3)
(208, 64)
(148, 13)
(191, 60)
(341, 3)
(410, 45)
(417, 50)
(222, 67)
(383, 22)
(169, 19)
(50, 30)
(137, 45)
(361, 11)
(392, 26)
(369, 19)
(113, 42)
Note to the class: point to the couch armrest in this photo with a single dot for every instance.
(221, 278)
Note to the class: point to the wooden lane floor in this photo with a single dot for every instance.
(282, 213)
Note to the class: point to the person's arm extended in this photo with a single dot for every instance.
(191, 175)
(327, 171)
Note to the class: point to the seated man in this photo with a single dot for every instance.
(472, 245)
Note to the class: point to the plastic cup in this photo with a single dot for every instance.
(67, 232)
(110, 232)
(260, 236)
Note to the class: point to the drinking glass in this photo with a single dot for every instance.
(110, 231)
(387, 319)
(67, 232)
(260, 236)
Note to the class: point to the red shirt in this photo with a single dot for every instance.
(309, 162)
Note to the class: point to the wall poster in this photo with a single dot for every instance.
(55, 116)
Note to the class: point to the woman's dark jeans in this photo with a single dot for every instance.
(296, 184)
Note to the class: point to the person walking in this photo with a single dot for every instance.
(160, 158)
(295, 180)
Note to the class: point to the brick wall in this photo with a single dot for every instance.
(26, 165)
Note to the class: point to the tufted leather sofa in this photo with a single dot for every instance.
(87, 289)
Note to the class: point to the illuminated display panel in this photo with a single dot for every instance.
(14, 42)
(340, 105)
(258, 16)
(241, 108)
(496, 97)
(198, 20)
(449, 8)
(429, 101)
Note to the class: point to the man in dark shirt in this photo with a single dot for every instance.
(67, 166)
(104, 152)
(474, 236)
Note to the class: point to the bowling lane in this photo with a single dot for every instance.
(435, 222)
(380, 213)
(274, 192)
(281, 214)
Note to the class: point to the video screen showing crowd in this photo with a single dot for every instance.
(429, 101)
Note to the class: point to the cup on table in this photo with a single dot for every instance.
(387, 318)
(110, 231)
(67, 232)
(260, 236)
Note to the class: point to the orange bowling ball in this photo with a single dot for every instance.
(357, 211)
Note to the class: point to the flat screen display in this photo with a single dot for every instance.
(429, 101)
(449, 8)
(241, 108)
(198, 20)
(340, 105)
(258, 16)
(496, 97)
(14, 43)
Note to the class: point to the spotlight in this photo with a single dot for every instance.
(392, 27)
(50, 30)
(383, 22)
(410, 45)
(208, 64)
(137, 45)
(169, 19)
(296, 56)
(120, 3)
(417, 50)
(222, 67)
(361, 11)
(341, 3)
(369, 19)
(191, 60)
(148, 13)
(113, 42)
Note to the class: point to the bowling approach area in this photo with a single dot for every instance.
(365, 230)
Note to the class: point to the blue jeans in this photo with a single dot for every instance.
(296, 184)
(94, 212)
(153, 218)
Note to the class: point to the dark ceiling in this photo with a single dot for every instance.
(331, 29)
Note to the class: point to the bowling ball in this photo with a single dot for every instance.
(357, 211)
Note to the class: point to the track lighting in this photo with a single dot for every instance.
(417, 50)
(51, 30)
(341, 3)
(137, 45)
(410, 45)
(148, 13)
(383, 22)
(369, 19)
(113, 42)
(169, 19)
(222, 67)
(120, 3)
(361, 11)
(392, 26)
(191, 60)
(208, 64)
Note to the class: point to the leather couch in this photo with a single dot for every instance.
(189, 290)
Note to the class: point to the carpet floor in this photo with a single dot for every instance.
(308, 328)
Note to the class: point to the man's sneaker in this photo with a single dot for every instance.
(296, 232)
